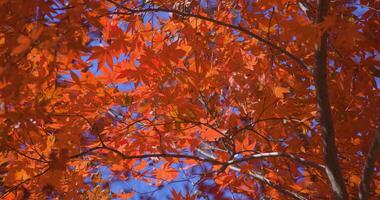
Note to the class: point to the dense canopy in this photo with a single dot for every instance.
(189, 99)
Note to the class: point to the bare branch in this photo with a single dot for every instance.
(281, 154)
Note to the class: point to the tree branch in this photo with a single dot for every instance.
(212, 159)
(365, 183)
(160, 155)
(281, 154)
(221, 23)
(261, 178)
(25, 181)
(25, 155)
(276, 186)
(333, 170)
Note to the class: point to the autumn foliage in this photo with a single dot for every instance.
(243, 99)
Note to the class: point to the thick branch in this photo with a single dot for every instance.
(221, 23)
(261, 178)
(368, 167)
(280, 154)
(333, 170)
(278, 187)
(212, 159)
(209, 157)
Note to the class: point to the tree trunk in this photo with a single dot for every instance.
(326, 122)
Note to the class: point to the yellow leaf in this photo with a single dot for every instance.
(304, 130)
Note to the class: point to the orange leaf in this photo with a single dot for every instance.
(355, 179)
(21, 175)
(280, 91)
(125, 195)
(24, 44)
(166, 174)
(210, 134)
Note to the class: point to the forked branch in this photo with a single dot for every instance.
(205, 157)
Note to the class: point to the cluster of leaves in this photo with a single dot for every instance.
(217, 94)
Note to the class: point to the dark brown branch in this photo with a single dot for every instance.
(88, 151)
(122, 155)
(333, 169)
(24, 155)
(23, 182)
(373, 153)
(221, 23)
(210, 158)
